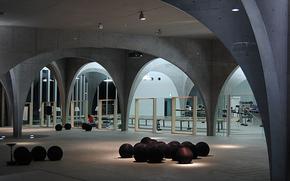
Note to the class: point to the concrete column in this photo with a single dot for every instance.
(107, 95)
(154, 115)
(116, 111)
(173, 114)
(31, 105)
(100, 121)
(41, 118)
(137, 110)
(48, 103)
(77, 97)
(54, 102)
(81, 96)
(194, 115)
(2, 107)
(228, 115)
(86, 103)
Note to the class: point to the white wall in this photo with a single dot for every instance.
(159, 89)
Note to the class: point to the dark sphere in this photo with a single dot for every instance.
(192, 147)
(22, 156)
(184, 155)
(54, 153)
(140, 152)
(38, 153)
(162, 146)
(126, 150)
(167, 151)
(145, 140)
(202, 149)
(88, 127)
(174, 145)
(58, 127)
(84, 125)
(67, 126)
(154, 153)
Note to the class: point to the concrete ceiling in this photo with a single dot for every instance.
(116, 16)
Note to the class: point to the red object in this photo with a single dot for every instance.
(90, 119)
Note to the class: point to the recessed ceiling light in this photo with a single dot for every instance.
(235, 10)
(2, 13)
(141, 16)
(100, 26)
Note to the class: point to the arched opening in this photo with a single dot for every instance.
(43, 105)
(163, 90)
(242, 117)
(93, 98)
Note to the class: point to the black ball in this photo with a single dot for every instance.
(167, 151)
(192, 147)
(84, 125)
(154, 153)
(140, 152)
(58, 127)
(202, 149)
(22, 156)
(126, 150)
(87, 127)
(162, 146)
(184, 155)
(145, 140)
(67, 126)
(38, 153)
(174, 145)
(54, 153)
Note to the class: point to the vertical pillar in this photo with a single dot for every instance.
(81, 96)
(137, 109)
(107, 95)
(2, 107)
(54, 102)
(228, 115)
(173, 114)
(41, 118)
(85, 98)
(77, 96)
(42, 114)
(72, 112)
(31, 105)
(154, 115)
(100, 121)
(48, 97)
(116, 111)
(194, 115)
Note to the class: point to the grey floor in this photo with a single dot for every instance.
(94, 156)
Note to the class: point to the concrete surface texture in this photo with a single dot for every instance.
(94, 156)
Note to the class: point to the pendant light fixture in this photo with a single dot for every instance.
(141, 16)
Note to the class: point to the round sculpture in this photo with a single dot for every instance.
(54, 153)
(87, 127)
(145, 140)
(126, 150)
(192, 147)
(38, 153)
(67, 126)
(162, 146)
(58, 127)
(174, 145)
(84, 125)
(154, 153)
(202, 149)
(140, 152)
(22, 156)
(167, 151)
(184, 155)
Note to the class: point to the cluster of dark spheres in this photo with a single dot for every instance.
(23, 156)
(153, 151)
(87, 127)
(59, 127)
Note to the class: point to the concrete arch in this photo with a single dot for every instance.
(257, 38)
(143, 70)
(80, 70)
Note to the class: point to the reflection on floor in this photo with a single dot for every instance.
(94, 156)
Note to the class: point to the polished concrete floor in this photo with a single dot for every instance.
(94, 156)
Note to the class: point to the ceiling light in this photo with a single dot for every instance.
(141, 16)
(235, 10)
(158, 32)
(100, 26)
(2, 13)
